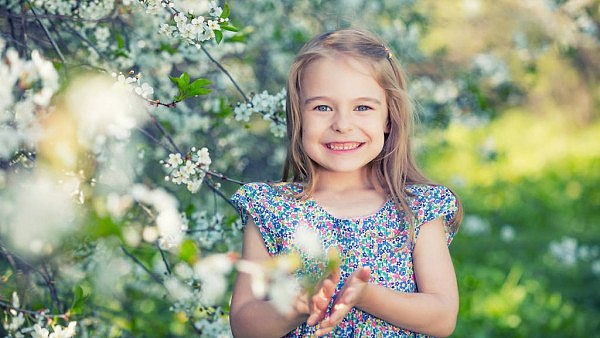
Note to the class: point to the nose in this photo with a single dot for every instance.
(341, 122)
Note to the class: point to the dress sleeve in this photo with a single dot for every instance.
(252, 200)
(433, 202)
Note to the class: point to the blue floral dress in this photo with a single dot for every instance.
(376, 241)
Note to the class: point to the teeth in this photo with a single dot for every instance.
(343, 146)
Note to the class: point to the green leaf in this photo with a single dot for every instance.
(188, 251)
(218, 36)
(182, 81)
(226, 11)
(228, 27)
(120, 41)
(201, 82)
(81, 292)
(238, 38)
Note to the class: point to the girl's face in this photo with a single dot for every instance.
(344, 114)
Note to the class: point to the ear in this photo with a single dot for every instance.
(388, 126)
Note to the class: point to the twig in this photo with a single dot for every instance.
(165, 134)
(86, 40)
(223, 177)
(54, 45)
(56, 16)
(19, 263)
(164, 258)
(47, 276)
(226, 72)
(7, 305)
(219, 192)
(157, 103)
(154, 277)
(154, 139)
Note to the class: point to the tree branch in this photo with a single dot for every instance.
(225, 72)
(165, 134)
(8, 305)
(154, 277)
(54, 45)
(164, 258)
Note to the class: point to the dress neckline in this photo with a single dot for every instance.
(374, 214)
(298, 187)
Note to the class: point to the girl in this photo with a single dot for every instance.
(351, 176)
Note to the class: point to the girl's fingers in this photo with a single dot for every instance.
(339, 311)
(364, 274)
(328, 288)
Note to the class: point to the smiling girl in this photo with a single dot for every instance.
(350, 173)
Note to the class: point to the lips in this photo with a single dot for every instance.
(343, 146)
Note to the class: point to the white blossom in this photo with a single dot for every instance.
(475, 225)
(43, 210)
(177, 290)
(190, 172)
(168, 221)
(212, 271)
(104, 108)
(564, 250)
(308, 241)
(283, 292)
(271, 107)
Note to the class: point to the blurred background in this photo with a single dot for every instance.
(508, 97)
(508, 94)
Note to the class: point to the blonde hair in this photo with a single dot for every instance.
(394, 167)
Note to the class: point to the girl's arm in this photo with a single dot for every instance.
(432, 310)
(252, 317)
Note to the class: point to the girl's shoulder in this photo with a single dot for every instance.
(269, 190)
(429, 202)
(429, 192)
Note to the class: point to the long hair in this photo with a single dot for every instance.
(394, 167)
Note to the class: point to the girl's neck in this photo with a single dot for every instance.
(347, 195)
(340, 182)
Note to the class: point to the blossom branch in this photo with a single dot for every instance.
(61, 17)
(155, 140)
(86, 40)
(220, 66)
(50, 284)
(47, 33)
(9, 306)
(20, 264)
(165, 133)
(218, 192)
(164, 259)
(154, 277)
(222, 177)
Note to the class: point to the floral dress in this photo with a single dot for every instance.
(376, 240)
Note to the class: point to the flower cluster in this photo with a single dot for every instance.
(271, 107)
(203, 283)
(34, 82)
(189, 170)
(15, 327)
(169, 230)
(569, 252)
(133, 83)
(191, 28)
(90, 10)
(207, 232)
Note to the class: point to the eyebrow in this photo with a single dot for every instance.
(318, 98)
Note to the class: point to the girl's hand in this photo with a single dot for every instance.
(320, 300)
(346, 299)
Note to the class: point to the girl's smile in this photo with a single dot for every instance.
(343, 146)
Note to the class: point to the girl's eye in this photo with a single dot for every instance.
(322, 107)
(362, 108)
